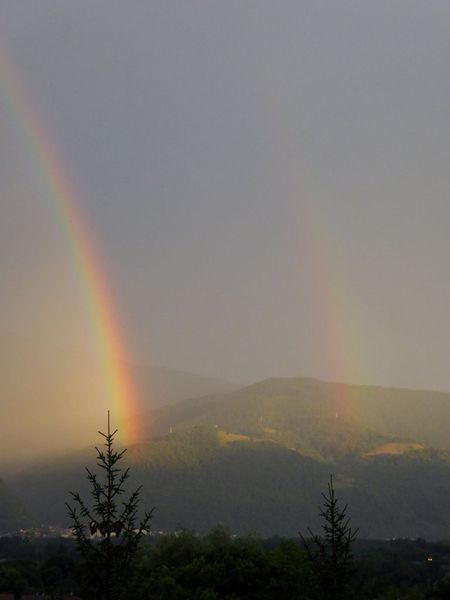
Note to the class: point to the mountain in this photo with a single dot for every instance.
(195, 478)
(257, 459)
(54, 398)
(203, 476)
(159, 386)
(13, 514)
(318, 419)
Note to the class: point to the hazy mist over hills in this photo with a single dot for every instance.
(56, 400)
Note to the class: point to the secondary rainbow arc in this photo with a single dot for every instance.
(327, 291)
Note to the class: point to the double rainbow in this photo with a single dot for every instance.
(90, 270)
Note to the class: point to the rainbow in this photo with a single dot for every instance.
(326, 296)
(85, 256)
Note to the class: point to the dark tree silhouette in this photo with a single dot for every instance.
(330, 555)
(106, 531)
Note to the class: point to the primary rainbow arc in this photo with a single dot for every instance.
(85, 256)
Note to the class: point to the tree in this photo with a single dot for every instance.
(107, 532)
(330, 555)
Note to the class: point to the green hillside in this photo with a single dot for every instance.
(204, 476)
(319, 419)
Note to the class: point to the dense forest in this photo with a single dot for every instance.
(184, 566)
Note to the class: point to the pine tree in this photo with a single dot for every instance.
(330, 555)
(107, 532)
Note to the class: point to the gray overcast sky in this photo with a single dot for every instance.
(268, 182)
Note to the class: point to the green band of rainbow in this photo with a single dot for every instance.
(86, 259)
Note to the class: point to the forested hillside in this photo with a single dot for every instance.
(320, 419)
(204, 476)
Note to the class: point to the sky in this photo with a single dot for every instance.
(267, 185)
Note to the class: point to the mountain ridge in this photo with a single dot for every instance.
(375, 409)
(257, 459)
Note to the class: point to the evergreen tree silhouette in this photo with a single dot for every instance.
(106, 530)
(330, 555)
